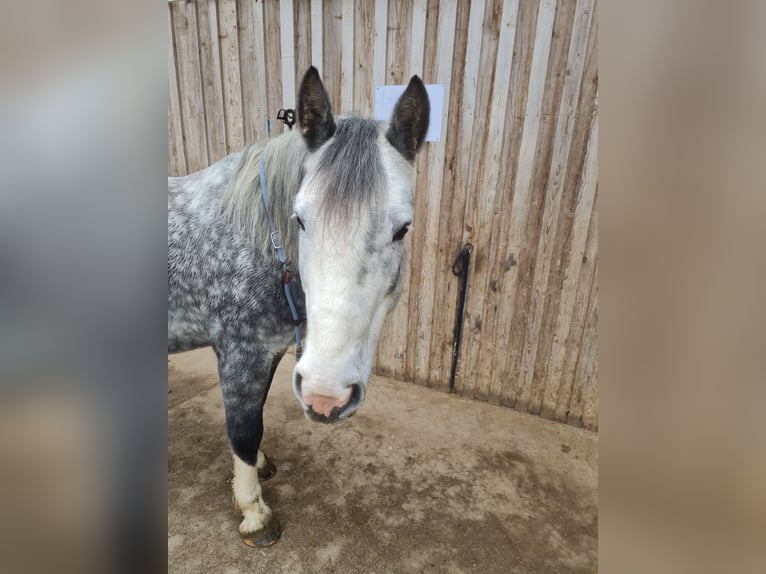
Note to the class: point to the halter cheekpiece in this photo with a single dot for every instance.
(287, 276)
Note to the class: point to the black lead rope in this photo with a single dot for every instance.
(459, 269)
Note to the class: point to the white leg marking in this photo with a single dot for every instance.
(247, 496)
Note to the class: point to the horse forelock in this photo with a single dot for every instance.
(351, 175)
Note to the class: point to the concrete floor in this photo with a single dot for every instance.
(417, 481)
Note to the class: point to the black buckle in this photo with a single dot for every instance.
(287, 116)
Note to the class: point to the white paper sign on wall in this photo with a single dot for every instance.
(387, 96)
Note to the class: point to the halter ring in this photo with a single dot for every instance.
(275, 240)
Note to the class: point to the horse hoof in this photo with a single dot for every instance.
(266, 536)
(267, 471)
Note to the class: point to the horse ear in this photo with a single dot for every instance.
(409, 124)
(314, 111)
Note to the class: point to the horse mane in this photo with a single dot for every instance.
(349, 170)
(284, 158)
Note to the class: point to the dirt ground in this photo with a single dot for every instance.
(417, 481)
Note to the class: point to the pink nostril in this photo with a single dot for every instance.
(324, 405)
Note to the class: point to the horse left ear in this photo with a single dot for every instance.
(409, 123)
(314, 111)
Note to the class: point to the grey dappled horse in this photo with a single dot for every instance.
(339, 192)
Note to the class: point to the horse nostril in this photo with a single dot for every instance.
(356, 398)
(298, 384)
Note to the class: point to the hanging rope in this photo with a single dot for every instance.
(459, 269)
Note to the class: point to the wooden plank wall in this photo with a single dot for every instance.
(515, 173)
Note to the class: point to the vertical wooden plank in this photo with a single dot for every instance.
(401, 329)
(176, 154)
(393, 350)
(406, 323)
(210, 62)
(363, 56)
(252, 69)
(398, 48)
(418, 37)
(523, 184)
(470, 176)
(332, 65)
(190, 85)
(347, 58)
(303, 39)
(490, 197)
(273, 51)
(590, 402)
(588, 106)
(530, 395)
(579, 320)
(392, 346)
(389, 360)
(527, 255)
(586, 362)
(562, 246)
(462, 105)
(232, 91)
(317, 34)
(287, 42)
(429, 219)
(471, 67)
(421, 190)
(565, 227)
(583, 214)
(379, 43)
(498, 262)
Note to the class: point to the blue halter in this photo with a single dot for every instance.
(287, 276)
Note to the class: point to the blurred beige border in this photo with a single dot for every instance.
(683, 88)
(682, 93)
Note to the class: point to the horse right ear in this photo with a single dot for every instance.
(315, 118)
(409, 124)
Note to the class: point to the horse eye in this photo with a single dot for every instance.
(298, 219)
(402, 232)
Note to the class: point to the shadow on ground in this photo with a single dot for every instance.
(417, 481)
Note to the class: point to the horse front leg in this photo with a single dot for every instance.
(245, 380)
(259, 526)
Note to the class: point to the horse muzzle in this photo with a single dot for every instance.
(324, 405)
